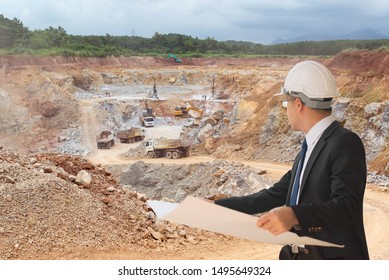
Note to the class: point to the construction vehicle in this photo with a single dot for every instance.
(153, 94)
(105, 140)
(169, 148)
(174, 57)
(222, 96)
(188, 110)
(147, 118)
(180, 111)
(147, 121)
(195, 115)
(130, 135)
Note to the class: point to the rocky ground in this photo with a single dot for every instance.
(49, 211)
(61, 198)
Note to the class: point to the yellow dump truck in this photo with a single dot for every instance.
(130, 135)
(169, 148)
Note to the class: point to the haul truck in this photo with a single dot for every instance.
(130, 135)
(169, 148)
(105, 140)
(147, 118)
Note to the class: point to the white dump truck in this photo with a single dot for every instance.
(169, 148)
(147, 117)
(147, 121)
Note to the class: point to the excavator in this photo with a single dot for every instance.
(147, 117)
(180, 111)
(176, 59)
(194, 114)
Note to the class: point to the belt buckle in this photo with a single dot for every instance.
(294, 248)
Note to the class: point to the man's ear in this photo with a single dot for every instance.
(299, 103)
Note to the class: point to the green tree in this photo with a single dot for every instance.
(12, 32)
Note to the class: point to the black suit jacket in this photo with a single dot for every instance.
(331, 196)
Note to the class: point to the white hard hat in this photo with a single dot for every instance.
(312, 82)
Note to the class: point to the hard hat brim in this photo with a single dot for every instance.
(283, 92)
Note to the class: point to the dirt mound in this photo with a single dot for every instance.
(46, 213)
(54, 62)
(370, 63)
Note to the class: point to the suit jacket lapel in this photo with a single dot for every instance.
(316, 151)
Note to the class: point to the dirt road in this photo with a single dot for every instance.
(376, 217)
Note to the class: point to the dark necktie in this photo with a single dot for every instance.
(296, 184)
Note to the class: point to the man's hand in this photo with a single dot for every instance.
(278, 220)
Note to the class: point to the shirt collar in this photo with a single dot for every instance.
(317, 130)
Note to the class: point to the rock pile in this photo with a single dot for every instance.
(175, 182)
(46, 212)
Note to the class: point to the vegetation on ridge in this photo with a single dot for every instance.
(15, 38)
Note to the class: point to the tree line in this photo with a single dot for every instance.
(16, 39)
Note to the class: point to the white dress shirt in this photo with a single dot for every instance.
(312, 137)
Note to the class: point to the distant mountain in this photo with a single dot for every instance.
(366, 34)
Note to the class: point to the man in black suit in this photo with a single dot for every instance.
(322, 196)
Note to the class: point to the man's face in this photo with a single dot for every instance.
(291, 111)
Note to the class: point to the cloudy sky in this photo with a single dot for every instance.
(258, 21)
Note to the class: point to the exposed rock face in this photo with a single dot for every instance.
(45, 102)
(376, 130)
(175, 182)
(371, 123)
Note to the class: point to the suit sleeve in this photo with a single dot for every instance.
(261, 201)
